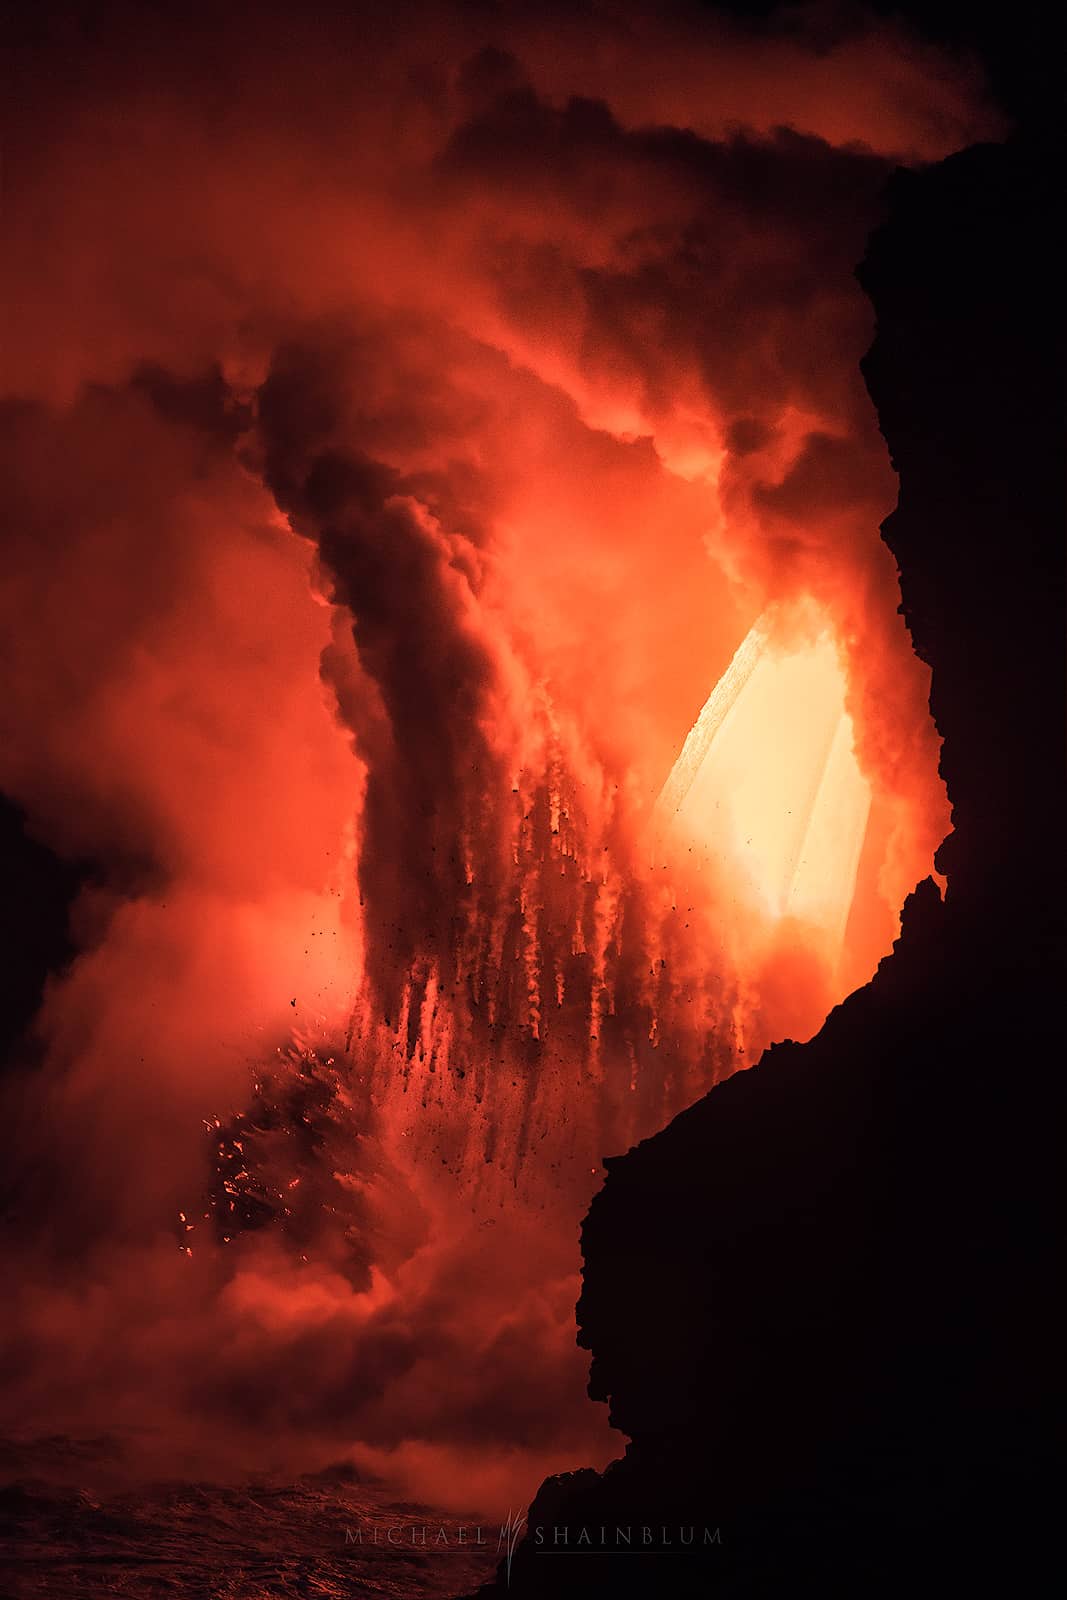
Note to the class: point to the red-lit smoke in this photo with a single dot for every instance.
(404, 422)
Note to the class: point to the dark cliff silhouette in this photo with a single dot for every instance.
(821, 1301)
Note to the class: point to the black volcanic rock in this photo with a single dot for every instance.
(821, 1302)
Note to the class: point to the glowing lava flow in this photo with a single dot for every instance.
(767, 783)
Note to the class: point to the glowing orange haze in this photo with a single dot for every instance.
(399, 451)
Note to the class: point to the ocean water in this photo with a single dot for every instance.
(326, 1536)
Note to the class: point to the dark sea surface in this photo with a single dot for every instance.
(326, 1536)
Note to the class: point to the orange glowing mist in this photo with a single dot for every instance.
(404, 439)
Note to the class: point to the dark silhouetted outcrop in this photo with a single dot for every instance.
(821, 1301)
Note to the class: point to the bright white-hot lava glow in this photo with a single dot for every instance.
(768, 787)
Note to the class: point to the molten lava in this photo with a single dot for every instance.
(767, 783)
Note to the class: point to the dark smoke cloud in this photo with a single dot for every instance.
(428, 728)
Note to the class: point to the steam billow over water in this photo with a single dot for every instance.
(447, 629)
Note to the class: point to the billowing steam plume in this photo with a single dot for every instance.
(406, 420)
